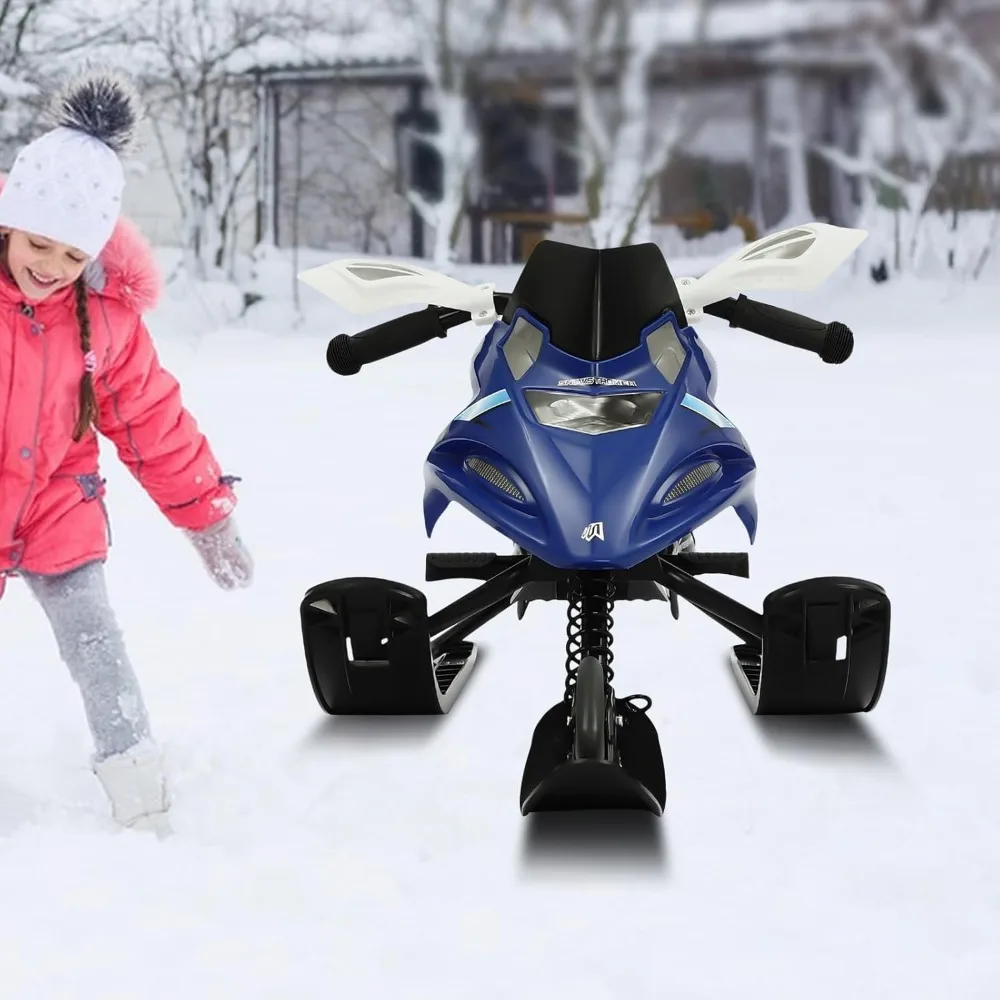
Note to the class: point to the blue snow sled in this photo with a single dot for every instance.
(594, 444)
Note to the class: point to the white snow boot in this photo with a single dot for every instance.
(135, 783)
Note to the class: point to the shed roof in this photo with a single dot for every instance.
(382, 42)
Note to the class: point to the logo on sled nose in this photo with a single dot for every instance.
(592, 531)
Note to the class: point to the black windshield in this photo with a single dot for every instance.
(595, 302)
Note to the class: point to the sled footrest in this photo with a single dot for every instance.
(368, 650)
(467, 565)
(723, 563)
(825, 649)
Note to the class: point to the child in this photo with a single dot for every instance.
(76, 358)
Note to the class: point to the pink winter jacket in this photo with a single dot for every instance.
(52, 515)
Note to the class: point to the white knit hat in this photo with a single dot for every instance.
(67, 184)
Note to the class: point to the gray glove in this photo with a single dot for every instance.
(224, 554)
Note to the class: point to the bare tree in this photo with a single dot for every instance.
(360, 201)
(356, 192)
(936, 97)
(622, 149)
(189, 51)
(358, 186)
(450, 36)
(16, 21)
(42, 40)
(16, 17)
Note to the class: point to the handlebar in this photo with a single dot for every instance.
(346, 355)
(833, 342)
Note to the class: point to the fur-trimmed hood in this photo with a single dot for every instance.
(126, 268)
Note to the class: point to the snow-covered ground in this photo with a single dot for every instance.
(369, 858)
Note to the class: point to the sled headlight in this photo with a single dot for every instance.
(587, 414)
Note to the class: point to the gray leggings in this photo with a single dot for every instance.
(91, 645)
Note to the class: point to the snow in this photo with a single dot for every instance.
(381, 37)
(374, 858)
(14, 89)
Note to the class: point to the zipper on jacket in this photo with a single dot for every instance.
(9, 389)
(28, 311)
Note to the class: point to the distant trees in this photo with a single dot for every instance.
(188, 50)
(935, 99)
(622, 145)
(450, 36)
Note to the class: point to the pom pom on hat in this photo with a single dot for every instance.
(67, 184)
(102, 103)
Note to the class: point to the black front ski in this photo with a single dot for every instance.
(555, 780)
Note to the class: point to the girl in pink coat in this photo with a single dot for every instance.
(76, 359)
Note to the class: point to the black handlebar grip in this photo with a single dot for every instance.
(347, 354)
(340, 357)
(838, 344)
(833, 342)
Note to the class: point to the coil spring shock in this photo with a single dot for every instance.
(588, 631)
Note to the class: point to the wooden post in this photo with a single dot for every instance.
(274, 157)
(473, 207)
(841, 104)
(265, 222)
(475, 216)
(415, 93)
(263, 142)
(761, 147)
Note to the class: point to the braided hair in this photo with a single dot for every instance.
(88, 402)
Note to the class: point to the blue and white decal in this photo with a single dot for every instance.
(706, 410)
(481, 406)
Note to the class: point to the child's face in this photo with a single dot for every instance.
(41, 266)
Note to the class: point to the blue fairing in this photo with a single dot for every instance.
(547, 488)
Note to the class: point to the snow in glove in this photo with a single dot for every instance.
(224, 554)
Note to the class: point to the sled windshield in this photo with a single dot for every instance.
(595, 304)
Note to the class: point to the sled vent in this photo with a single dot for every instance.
(493, 476)
(698, 475)
(451, 668)
(748, 660)
(446, 673)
